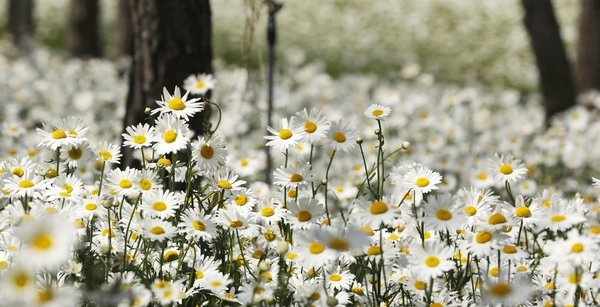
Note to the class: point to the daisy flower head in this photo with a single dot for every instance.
(76, 155)
(209, 153)
(199, 84)
(441, 213)
(375, 213)
(108, 153)
(138, 136)
(313, 252)
(294, 177)
(286, 137)
(54, 138)
(46, 242)
(315, 124)
(160, 203)
(195, 225)
(226, 180)
(431, 260)
(377, 111)
(422, 180)
(172, 134)
(157, 229)
(304, 213)
(235, 219)
(146, 180)
(29, 184)
(342, 137)
(270, 212)
(121, 181)
(507, 168)
(177, 105)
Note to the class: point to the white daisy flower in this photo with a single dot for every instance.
(159, 203)
(342, 137)
(377, 111)
(177, 105)
(199, 84)
(422, 180)
(172, 134)
(284, 138)
(507, 168)
(138, 136)
(315, 124)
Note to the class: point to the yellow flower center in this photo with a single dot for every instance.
(339, 137)
(482, 176)
(199, 225)
(506, 169)
(494, 272)
(285, 134)
(575, 278)
(105, 155)
(378, 207)
(42, 241)
(58, 134)
(470, 210)
(170, 136)
(501, 289)
(3, 264)
(577, 248)
(270, 235)
(176, 104)
(236, 224)
(292, 193)
(21, 280)
(267, 212)
(157, 230)
(17, 171)
(296, 178)
(316, 248)
(510, 249)
(164, 161)
(496, 219)
(443, 214)
(139, 139)
(207, 152)
(483, 237)
(358, 291)
(420, 285)
(200, 84)
(303, 216)
(432, 261)
(339, 244)
(241, 200)
(91, 207)
(335, 277)
(310, 127)
(171, 256)
(374, 250)
(106, 232)
(145, 184)
(422, 182)
(377, 112)
(159, 206)
(436, 305)
(558, 218)
(546, 203)
(125, 184)
(199, 274)
(523, 212)
(25, 184)
(224, 184)
(257, 254)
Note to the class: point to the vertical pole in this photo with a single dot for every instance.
(271, 38)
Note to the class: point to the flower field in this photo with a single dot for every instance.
(384, 190)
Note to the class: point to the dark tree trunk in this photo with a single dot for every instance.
(123, 35)
(20, 20)
(555, 74)
(171, 40)
(588, 48)
(83, 38)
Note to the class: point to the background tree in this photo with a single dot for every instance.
(171, 40)
(556, 80)
(20, 23)
(588, 49)
(83, 37)
(123, 40)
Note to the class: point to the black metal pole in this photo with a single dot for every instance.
(271, 38)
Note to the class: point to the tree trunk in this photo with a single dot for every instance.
(555, 73)
(588, 48)
(123, 36)
(20, 20)
(171, 40)
(83, 38)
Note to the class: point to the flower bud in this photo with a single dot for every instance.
(282, 248)
(264, 266)
(147, 111)
(331, 301)
(107, 203)
(405, 145)
(359, 140)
